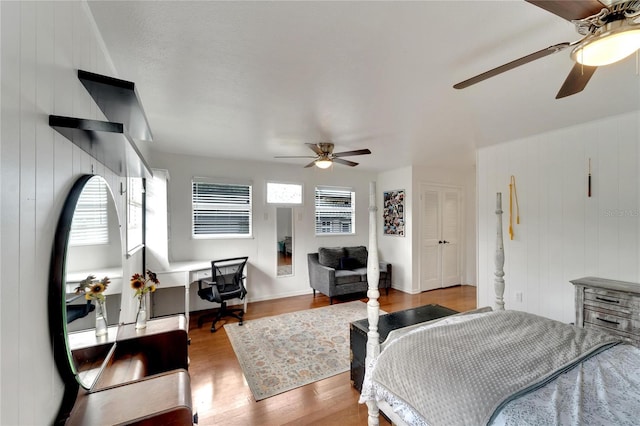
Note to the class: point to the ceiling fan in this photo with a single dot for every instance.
(611, 33)
(325, 156)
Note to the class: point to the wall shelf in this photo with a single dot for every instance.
(119, 102)
(105, 141)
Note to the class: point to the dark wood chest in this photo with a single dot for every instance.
(387, 323)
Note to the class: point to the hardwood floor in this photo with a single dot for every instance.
(222, 397)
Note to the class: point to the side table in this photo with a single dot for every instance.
(358, 333)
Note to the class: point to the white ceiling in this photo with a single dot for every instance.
(259, 79)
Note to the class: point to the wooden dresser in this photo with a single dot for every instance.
(141, 380)
(609, 305)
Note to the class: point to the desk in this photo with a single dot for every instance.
(73, 278)
(182, 274)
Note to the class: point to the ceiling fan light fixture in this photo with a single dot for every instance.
(616, 41)
(323, 163)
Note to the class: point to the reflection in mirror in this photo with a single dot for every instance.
(93, 249)
(284, 238)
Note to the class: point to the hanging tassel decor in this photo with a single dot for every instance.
(513, 193)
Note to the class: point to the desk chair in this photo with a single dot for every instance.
(75, 312)
(227, 282)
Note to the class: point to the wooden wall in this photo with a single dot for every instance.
(42, 45)
(563, 234)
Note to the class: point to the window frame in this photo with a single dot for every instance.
(228, 207)
(135, 214)
(283, 203)
(351, 210)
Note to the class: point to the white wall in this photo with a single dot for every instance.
(42, 46)
(404, 252)
(261, 248)
(563, 234)
(394, 249)
(463, 178)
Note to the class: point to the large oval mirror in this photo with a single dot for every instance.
(86, 280)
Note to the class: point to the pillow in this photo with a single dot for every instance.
(359, 253)
(349, 263)
(330, 256)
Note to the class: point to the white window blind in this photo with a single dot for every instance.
(335, 210)
(221, 210)
(90, 225)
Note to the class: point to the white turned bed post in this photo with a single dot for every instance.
(499, 281)
(373, 306)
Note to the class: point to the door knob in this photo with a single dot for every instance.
(440, 242)
(446, 242)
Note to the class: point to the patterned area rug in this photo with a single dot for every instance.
(283, 352)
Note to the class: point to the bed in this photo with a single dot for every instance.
(496, 366)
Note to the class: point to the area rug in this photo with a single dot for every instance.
(283, 352)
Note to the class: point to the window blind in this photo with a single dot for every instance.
(90, 225)
(221, 209)
(335, 210)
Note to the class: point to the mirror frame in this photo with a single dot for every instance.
(57, 307)
(293, 247)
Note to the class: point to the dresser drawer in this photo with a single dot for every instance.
(612, 322)
(613, 300)
(200, 275)
(627, 337)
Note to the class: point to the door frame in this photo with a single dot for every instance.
(461, 215)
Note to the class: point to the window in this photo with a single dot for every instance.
(335, 211)
(90, 224)
(221, 210)
(135, 192)
(284, 193)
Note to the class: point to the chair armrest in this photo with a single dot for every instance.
(207, 283)
(320, 277)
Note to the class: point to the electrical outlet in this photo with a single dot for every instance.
(519, 297)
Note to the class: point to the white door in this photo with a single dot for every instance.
(440, 239)
(430, 242)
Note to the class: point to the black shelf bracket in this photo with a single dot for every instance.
(105, 141)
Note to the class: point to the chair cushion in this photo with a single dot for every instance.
(359, 253)
(206, 294)
(349, 263)
(347, 277)
(362, 272)
(330, 256)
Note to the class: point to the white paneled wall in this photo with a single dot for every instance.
(563, 234)
(43, 44)
(263, 284)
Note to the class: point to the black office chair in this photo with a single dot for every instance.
(75, 312)
(227, 282)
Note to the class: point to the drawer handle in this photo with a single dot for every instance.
(607, 300)
(608, 321)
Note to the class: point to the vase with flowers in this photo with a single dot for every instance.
(94, 289)
(143, 285)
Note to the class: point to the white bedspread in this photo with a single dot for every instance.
(602, 390)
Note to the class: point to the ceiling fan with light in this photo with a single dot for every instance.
(325, 156)
(611, 33)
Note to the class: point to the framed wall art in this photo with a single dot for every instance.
(393, 213)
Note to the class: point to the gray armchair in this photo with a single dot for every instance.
(336, 271)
